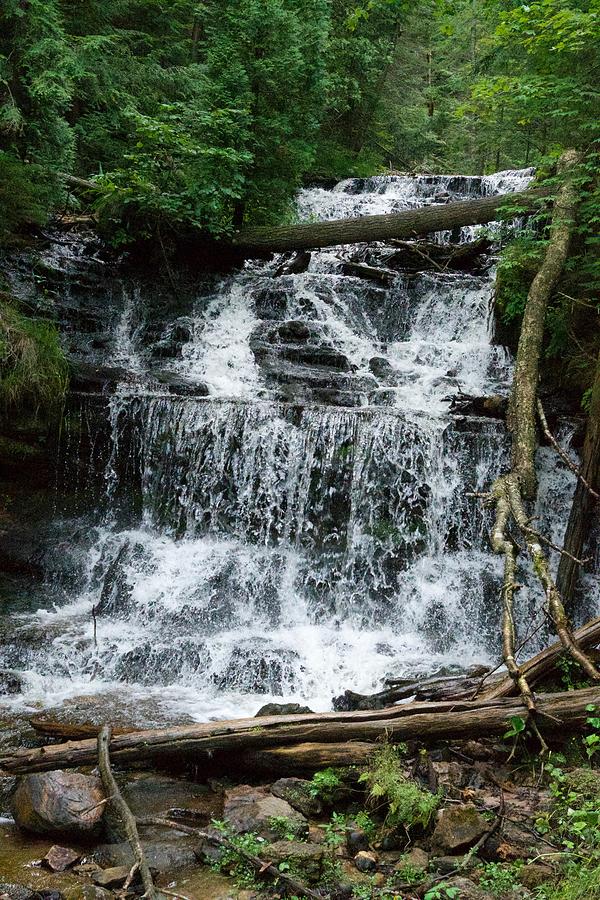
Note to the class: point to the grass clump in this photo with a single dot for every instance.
(33, 368)
(407, 803)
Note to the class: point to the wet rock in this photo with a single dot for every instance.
(111, 878)
(381, 367)
(297, 793)
(58, 803)
(293, 331)
(162, 856)
(59, 859)
(392, 840)
(154, 795)
(306, 858)
(249, 808)
(365, 861)
(180, 386)
(356, 840)
(283, 709)
(457, 829)
(299, 263)
(8, 785)
(93, 379)
(10, 682)
(257, 669)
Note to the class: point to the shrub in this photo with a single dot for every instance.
(408, 804)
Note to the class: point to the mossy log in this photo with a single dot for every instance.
(421, 721)
(392, 226)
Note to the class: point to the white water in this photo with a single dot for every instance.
(294, 549)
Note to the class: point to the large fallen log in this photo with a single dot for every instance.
(422, 721)
(406, 224)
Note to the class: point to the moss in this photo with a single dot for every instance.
(33, 368)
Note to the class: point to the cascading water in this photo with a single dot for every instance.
(299, 522)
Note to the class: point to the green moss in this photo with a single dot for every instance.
(33, 368)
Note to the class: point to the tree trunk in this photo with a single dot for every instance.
(583, 502)
(421, 721)
(406, 224)
(522, 413)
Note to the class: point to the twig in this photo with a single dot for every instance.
(112, 789)
(261, 867)
(564, 456)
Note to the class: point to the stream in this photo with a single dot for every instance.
(268, 497)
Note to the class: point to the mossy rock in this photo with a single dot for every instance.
(585, 783)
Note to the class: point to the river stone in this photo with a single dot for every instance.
(365, 861)
(86, 892)
(282, 709)
(457, 829)
(58, 803)
(297, 793)
(252, 809)
(307, 859)
(15, 892)
(58, 859)
(114, 877)
(162, 856)
(356, 840)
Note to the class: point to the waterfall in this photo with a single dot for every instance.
(287, 504)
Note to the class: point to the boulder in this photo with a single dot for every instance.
(467, 889)
(249, 808)
(59, 803)
(533, 875)
(446, 864)
(297, 793)
(58, 859)
(457, 829)
(307, 859)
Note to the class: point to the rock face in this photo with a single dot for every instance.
(457, 829)
(297, 793)
(253, 809)
(58, 803)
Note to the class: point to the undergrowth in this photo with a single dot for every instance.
(33, 369)
(407, 804)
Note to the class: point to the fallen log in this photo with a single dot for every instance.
(421, 721)
(406, 224)
(448, 687)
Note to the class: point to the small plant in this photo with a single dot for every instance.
(325, 785)
(591, 741)
(500, 878)
(408, 804)
(410, 874)
(335, 830)
(285, 828)
(364, 821)
(442, 891)
(232, 862)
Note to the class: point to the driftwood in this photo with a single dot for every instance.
(418, 255)
(370, 273)
(406, 224)
(121, 809)
(291, 884)
(448, 687)
(422, 721)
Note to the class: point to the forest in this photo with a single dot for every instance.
(299, 449)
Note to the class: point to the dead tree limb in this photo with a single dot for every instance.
(586, 495)
(406, 224)
(520, 484)
(124, 813)
(263, 867)
(421, 721)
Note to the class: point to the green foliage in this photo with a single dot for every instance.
(519, 262)
(232, 862)
(500, 878)
(407, 803)
(442, 891)
(26, 194)
(325, 785)
(33, 369)
(287, 829)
